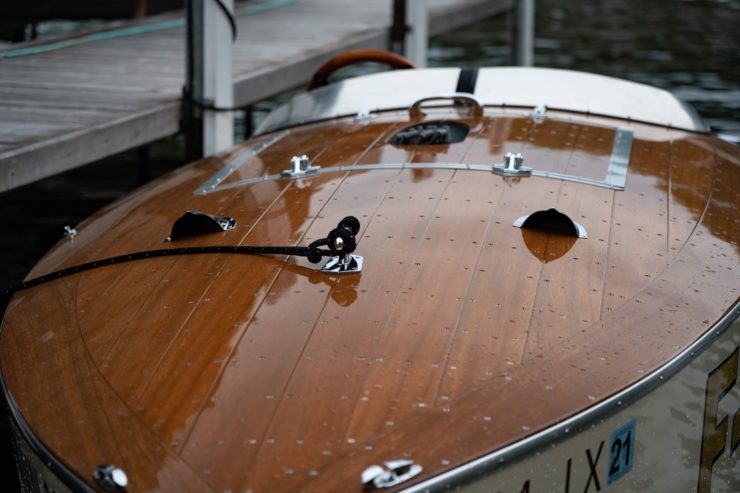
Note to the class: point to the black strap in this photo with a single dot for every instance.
(466, 81)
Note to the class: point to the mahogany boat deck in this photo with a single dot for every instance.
(462, 334)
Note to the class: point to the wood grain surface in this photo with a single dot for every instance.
(237, 372)
(66, 107)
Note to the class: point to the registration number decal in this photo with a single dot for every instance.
(621, 451)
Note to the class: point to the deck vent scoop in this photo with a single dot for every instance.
(197, 223)
(552, 221)
(431, 133)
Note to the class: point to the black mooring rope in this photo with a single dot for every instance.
(340, 241)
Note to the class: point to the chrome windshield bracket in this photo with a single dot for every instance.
(616, 173)
(301, 167)
(343, 264)
(512, 166)
(395, 472)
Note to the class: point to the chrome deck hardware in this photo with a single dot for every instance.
(70, 232)
(474, 105)
(395, 472)
(512, 166)
(539, 113)
(342, 242)
(363, 115)
(301, 167)
(616, 174)
(343, 264)
(110, 478)
(218, 181)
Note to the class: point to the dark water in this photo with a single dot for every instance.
(691, 48)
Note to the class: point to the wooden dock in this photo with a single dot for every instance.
(68, 107)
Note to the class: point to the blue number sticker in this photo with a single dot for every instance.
(621, 451)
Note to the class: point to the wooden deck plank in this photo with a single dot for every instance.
(255, 271)
(82, 66)
(276, 50)
(69, 149)
(689, 191)
(131, 381)
(106, 79)
(638, 246)
(557, 315)
(272, 396)
(559, 279)
(49, 113)
(496, 332)
(387, 241)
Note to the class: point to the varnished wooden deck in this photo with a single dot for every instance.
(71, 106)
(462, 334)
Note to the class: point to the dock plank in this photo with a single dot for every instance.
(98, 98)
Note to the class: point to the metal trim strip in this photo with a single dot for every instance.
(616, 173)
(400, 166)
(575, 179)
(212, 184)
(488, 463)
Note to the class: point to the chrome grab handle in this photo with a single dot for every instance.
(476, 108)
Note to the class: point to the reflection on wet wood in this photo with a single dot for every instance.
(230, 372)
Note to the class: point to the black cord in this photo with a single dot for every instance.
(230, 16)
(340, 241)
(187, 95)
(209, 105)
